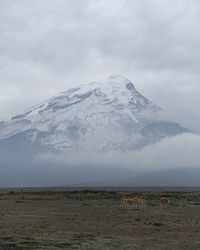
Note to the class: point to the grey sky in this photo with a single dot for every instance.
(47, 46)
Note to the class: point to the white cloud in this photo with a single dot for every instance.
(181, 151)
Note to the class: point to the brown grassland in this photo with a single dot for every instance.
(95, 219)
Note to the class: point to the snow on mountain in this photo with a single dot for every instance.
(102, 116)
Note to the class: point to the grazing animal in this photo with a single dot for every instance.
(126, 202)
(135, 201)
(164, 201)
(143, 202)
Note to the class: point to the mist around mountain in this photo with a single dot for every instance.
(96, 132)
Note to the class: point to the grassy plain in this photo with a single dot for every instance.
(94, 219)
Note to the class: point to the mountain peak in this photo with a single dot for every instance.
(103, 116)
(119, 79)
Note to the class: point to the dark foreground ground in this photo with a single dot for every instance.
(95, 219)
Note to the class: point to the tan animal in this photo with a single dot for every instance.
(143, 202)
(126, 202)
(135, 201)
(164, 201)
(130, 201)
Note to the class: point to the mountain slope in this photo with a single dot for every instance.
(101, 116)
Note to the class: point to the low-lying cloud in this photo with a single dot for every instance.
(172, 161)
(181, 151)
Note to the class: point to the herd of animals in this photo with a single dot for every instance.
(141, 202)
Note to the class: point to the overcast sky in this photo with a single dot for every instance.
(47, 46)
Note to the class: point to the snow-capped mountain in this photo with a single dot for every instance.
(102, 116)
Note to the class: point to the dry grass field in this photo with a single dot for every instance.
(95, 219)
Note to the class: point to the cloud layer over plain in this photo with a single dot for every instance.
(49, 46)
(173, 161)
(181, 151)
